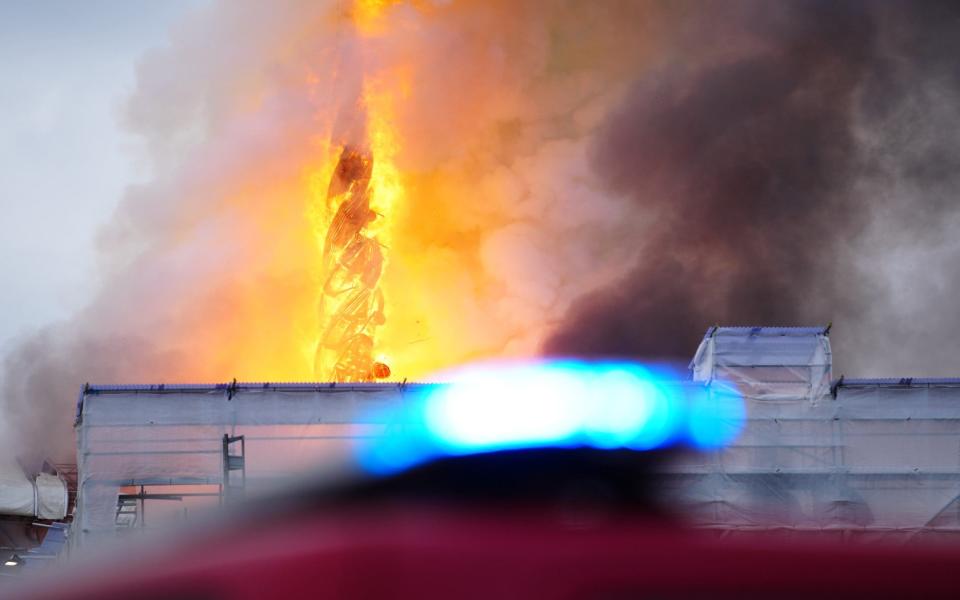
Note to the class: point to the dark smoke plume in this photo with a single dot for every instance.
(756, 171)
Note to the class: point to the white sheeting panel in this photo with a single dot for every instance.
(16, 490)
(51, 497)
(879, 457)
(143, 436)
(769, 363)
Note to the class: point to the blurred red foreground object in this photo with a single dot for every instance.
(402, 553)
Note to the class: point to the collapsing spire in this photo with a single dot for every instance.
(351, 302)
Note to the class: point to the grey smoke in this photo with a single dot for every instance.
(787, 172)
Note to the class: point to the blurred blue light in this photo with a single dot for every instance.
(715, 417)
(558, 404)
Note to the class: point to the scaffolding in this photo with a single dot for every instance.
(767, 363)
(855, 458)
(172, 450)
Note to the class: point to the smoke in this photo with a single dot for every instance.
(579, 177)
(786, 175)
(210, 271)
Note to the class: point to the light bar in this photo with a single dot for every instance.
(555, 404)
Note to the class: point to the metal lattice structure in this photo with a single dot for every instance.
(351, 302)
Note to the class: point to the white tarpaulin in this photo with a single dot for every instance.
(865, 458)
(16, 490)
(44, 497)
(51, 496)
(881, 456)
(171, 437)
(766, 363)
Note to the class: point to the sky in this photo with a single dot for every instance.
(66, 69)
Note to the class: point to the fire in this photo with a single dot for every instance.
(364, 188)
(367, 15)
(440, 264)
(351, 301)
(473, 119)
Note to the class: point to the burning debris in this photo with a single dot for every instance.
(351, 303)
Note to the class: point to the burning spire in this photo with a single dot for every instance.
(351, 301)
(351, 305)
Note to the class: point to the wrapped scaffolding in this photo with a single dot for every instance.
(149, 454)
(877, 458)
(43, 496)
(866, 458)
(767, 363)
(860, 458)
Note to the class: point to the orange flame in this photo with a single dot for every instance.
(468, 202)
(365, 186)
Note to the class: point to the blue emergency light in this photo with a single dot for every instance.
(554, 404)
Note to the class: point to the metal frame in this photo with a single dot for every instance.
(230, 492)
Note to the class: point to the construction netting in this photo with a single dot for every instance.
(148, 454)
(866, 458)
(766, 363)
(876, 458)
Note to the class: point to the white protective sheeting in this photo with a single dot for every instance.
(866, 459)
(44, 497)
(766, 363)
(51, 497)
(16, 490)
(173, 436)
(869, 458)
